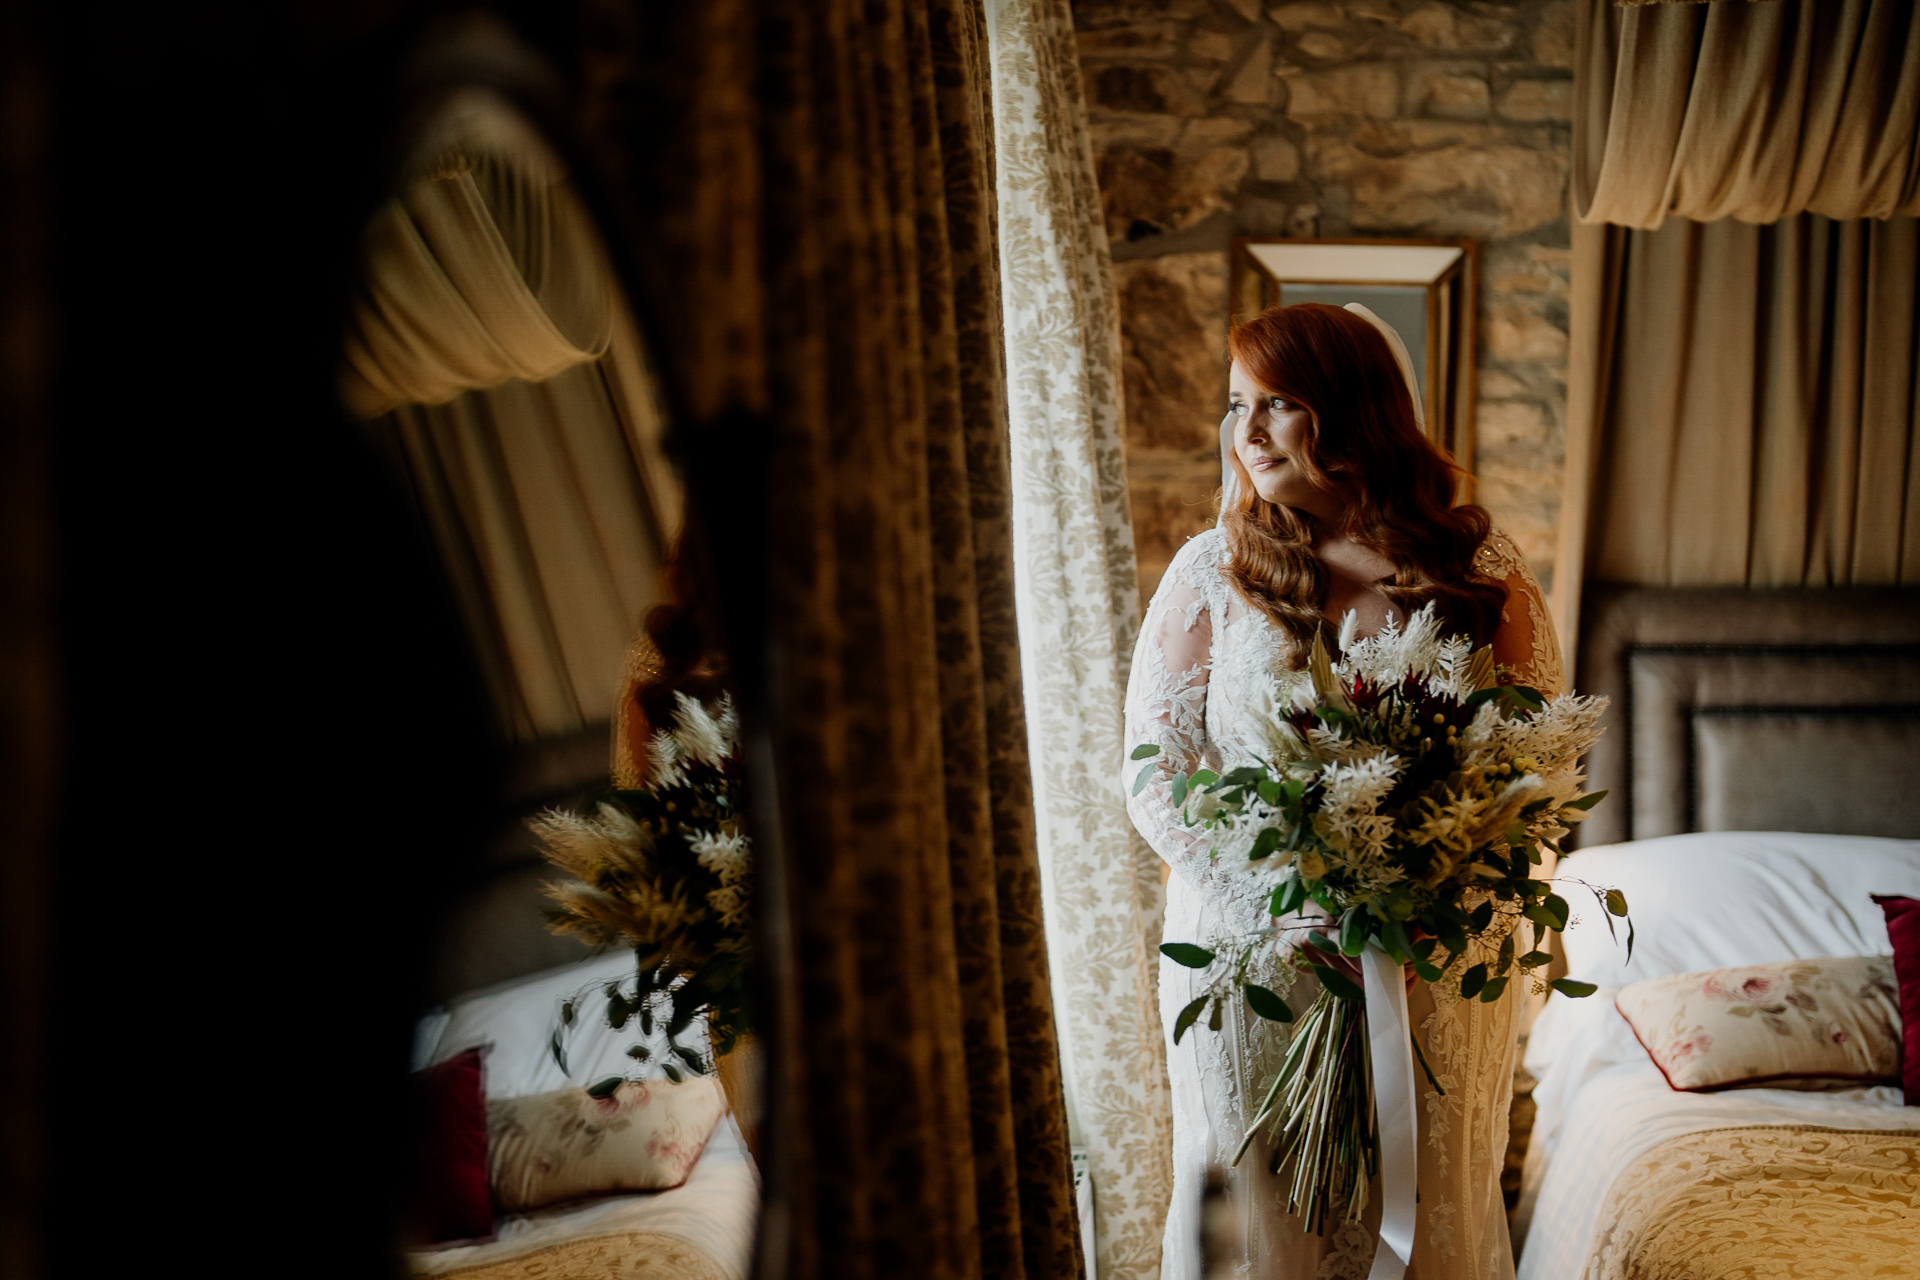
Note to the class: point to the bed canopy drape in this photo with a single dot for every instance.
(1741, 384)
(492, 355)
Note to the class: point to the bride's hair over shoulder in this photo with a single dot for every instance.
(1365, 445)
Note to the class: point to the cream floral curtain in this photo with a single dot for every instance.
(1078, 609)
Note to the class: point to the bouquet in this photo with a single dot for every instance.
(666, 870)
(1402, 799)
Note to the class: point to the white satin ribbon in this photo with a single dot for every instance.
(1388, 1036)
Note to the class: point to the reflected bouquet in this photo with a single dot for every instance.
(667, 870)
(1401, 800)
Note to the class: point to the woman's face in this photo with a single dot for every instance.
(1270, 438)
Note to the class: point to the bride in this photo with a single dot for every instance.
(1333, 501)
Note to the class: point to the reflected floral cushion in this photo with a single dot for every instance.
(644, 1136)
(1797, 1024)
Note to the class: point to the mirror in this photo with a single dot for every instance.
(1423, 288)
(490, 354)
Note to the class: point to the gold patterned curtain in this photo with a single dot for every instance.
(818, 174)
(1741, 382)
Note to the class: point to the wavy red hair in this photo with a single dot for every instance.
(1365, 446)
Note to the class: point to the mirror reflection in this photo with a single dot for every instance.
(588, 1072)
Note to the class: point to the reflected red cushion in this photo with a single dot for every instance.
(1903, 929)
(451, 1199)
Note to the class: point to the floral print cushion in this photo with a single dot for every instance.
(644, 1136)
(1797, 1024)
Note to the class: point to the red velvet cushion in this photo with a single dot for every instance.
(1903, 927)
(451, 1199)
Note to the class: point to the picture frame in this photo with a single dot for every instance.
(1426, 289)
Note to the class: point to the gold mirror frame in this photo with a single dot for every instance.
(1266, 269)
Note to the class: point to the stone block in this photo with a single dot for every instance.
(1214, 131)
(1495, 384)
(1212, 46)
(1138, 40)
(1515, 331)
(1275, 160)
(1173, 334)
(1538, 100)
(1153, 191)
(1364, 89)
(1499, 423)
(1138, 133)
(1449, 94)
(1323, 46)
(1553, 36)
(1144, 88)
(1441, 26)
(1308, 17)
(1253, 82)
(1456, 180)
(1248, 9)
(1172, 496)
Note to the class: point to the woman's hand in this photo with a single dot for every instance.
(1343, 964)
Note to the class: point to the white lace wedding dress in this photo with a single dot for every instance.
(1199, 643)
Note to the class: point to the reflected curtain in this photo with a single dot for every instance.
(1743, 110)
(498, 365)
(1079, 610)
(817, 180)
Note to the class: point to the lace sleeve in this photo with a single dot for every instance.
(1167, 706)
(1525, 643)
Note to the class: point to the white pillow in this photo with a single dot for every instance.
(1712, 900)
(518, 1018)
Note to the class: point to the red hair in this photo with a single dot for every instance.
(1364, 445)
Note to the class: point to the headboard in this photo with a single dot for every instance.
(496, 929)
(1766, 710)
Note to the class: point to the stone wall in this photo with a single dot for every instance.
(1217, 118)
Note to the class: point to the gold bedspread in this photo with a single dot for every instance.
(1765, 1202)
(630, 1255)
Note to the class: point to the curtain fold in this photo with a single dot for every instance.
(820, 174)
(498, 365)
(1754, 404)
(1749, 111)
(1079, 609)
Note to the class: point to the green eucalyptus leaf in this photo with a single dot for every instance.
(673, 1072)
(1187, 954)
(1214, 1018)
(1482, 917)
(1320, 940)
(1576, 990)
(1145, 751)
(566, 1013)
(1270, 791)
(1292, 894)
(1505, 960)
(1534, 959)
(1203, 778)
(1338, 984)
(605, 1088)
(1268, 1004)
(1525, 695)
(1491, 992)
(1474, 699)
(1424, 948)
(1140, 783)
(1393, 936)
(1264, 844)
(559, 1052)
(1583, 803)
(1179, 796)
(1355, 927)
(1427, 972)
(1187, 1017)
(1616, 902)
(639, 1053)
(1472, 981)
(1557, 907)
